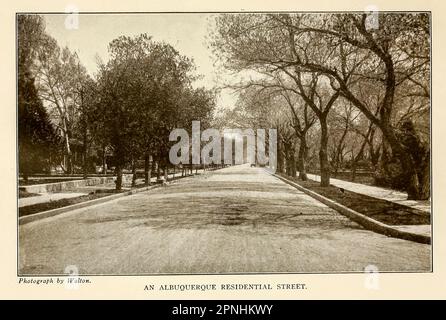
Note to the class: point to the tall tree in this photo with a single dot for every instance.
(59, 72)
(354, 55)
(395, 53)
(37, 139)
(142, 98)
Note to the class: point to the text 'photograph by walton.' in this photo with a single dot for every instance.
(223, 143)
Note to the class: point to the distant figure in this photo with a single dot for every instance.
(253, 165)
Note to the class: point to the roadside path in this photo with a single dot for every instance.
(377, 192)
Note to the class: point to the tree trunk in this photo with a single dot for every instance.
(166, 173)
(282, 161)
(323, 153)
(69, 163)
(425, 182)
(353, 171)
(421, 158)
(356, 158)
(302, 158)
(147, 170)
(374, 157)
(153, 167)
(279, 157)
(158, 170)
(286, 147)
(355, 162)
(414, 186)
(104, 161)
(293, 160)
(133, 173)
(338, 159)
(25, 176)
(84, 158)
(118, 177)
(408, 165)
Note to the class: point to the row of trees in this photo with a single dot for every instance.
(336, 85)
(127, 109)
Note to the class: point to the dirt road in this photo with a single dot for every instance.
(235, 220)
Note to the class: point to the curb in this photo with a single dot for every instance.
(367, 222)
(57, 211)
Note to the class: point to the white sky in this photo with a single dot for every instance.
(186, 32)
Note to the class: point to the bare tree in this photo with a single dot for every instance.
(351, 55)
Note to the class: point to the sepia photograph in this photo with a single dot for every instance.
(206, 143)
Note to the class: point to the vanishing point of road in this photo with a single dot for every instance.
(234, 220)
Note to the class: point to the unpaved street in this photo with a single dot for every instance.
(235, 220)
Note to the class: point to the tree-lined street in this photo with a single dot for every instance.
(238, 219)
(337, 104)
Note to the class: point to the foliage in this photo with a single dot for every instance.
(381, 68)
(38, 141)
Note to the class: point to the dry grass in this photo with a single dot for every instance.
(385, 211)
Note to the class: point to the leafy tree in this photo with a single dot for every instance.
(37, 138)
(145, 92)
(59, 78)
